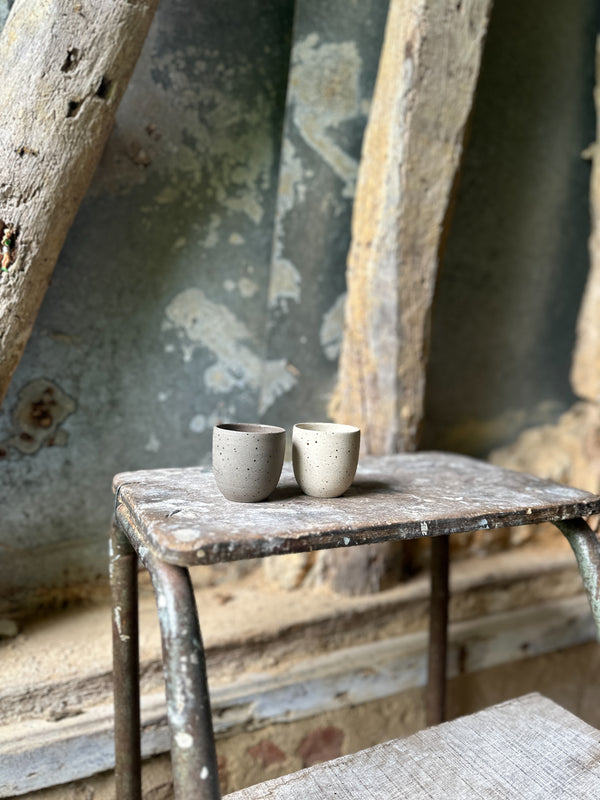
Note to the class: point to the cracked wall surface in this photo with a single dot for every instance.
(154, 325)
(332, 75)
(166, 312)
(204, 277)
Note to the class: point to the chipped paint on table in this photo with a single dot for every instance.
(181, 515)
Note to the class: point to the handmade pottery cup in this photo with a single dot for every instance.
(247, 460)
(325, 457)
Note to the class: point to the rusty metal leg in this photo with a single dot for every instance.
(193, 754)
(438, 632)
(124, 589)
(586, 546)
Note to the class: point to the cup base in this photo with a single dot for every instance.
(243, 497)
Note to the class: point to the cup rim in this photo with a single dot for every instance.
(249, 427)
(326, 427)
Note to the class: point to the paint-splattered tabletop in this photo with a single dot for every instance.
(181, 516)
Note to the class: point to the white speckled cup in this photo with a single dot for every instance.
(325, 457)
(247, 460)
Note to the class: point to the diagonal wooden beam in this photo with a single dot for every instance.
(64, 66)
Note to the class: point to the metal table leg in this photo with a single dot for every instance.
(124, 591)
(193, 754)
(435, 709)
(586, 546)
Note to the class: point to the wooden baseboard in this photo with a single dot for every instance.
(40, 753)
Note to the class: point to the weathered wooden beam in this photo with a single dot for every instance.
(64, 66)
(585, 373)
(411, 154)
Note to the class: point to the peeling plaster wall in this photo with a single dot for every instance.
(154, 324)
(204, 277)
(164, 314)
(332, 74)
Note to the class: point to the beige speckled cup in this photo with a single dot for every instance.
(325, 457)
(247, 460)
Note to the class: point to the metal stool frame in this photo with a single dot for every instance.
(193, 753)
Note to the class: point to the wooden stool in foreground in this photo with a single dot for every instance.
(525, 748)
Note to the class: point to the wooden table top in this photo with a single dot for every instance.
(180, 515)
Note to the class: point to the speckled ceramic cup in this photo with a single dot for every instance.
(325, 457)
(247, 460)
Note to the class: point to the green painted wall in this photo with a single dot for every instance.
(516, 260)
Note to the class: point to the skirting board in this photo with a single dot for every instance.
(38, 753)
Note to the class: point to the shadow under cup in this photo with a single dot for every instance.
(247, 460)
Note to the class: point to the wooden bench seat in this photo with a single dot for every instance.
(525, 748)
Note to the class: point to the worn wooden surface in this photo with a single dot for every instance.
(526, 748)
(181, 515)
(585, 372)
(64, 67)
(411, 154)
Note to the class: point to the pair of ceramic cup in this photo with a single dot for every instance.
(248, 458)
